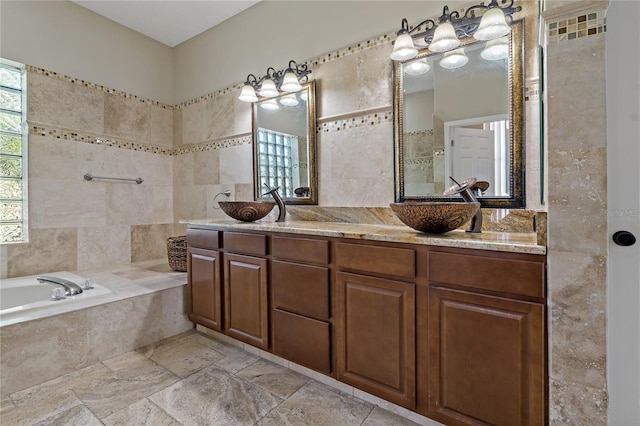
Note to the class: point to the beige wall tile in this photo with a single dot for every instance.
(183, 169)
(36, 351)
(100, 247)
(48, 250)
(189, 202)
(116, 328)
(150, 241)
(52, 158)
(578, 201)
(578, 318)
(206, 168)
(336, 86)
(132, 119)
(236, 164)
(56, 102)
(177, 126)
(175, 308)
(375, 78)
(575, 404)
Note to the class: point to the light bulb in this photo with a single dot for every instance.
(268, 89)
(492, 25)
(248, 94)
(496, 49)
(417, 67)
(403, 48)
(454, 59)
(290, 82)
(444, 39)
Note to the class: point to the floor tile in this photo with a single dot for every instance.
(142, 413)
(37, 409)
(380, 417)
(132, 377)
(165, 344)
(187, 358)
(213, 396)
(278, 380)
(319, 405)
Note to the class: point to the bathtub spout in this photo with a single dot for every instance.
(70, 288)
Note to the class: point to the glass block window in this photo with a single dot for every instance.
(13, 199)
(274, 161)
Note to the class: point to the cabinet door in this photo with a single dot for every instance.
(486, 359)
(246, 303)
(376, 336)
(204, 286)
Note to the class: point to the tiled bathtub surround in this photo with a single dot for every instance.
(583, 25)
(148, 303)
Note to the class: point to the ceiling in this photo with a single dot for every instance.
(170, 21)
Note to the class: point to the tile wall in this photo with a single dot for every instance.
(577, 220)
(190, 152)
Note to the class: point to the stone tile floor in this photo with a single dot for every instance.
(189, 379)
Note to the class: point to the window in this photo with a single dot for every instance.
(13, 200)
(275, 150)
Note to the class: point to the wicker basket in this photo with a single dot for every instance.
(177, 253)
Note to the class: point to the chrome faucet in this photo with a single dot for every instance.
(70, 288)
(282, 211)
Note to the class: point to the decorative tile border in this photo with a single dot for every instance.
(80, 82)
(584, 25)
(355, 122)
(59, 133)
(532, 92)
(418, 160)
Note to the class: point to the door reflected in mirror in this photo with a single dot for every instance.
(459, 114)
(284, 146)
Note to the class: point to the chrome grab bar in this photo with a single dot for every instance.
(89, 176)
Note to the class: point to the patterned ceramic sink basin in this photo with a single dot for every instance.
(434, 217)
(246, 211)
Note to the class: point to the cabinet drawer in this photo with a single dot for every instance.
(302, 340)
(302, 289)
(300, 249)
(521, 277)
(245, 243)
(399, 262)
(203, 238)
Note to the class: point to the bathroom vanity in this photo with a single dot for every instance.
(451, 326)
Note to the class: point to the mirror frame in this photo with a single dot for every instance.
(515, 78)
(311, 145)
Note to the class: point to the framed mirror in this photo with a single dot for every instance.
(284, 146)
(461, 121)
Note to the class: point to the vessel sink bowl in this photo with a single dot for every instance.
(434, 217)
(246, 211)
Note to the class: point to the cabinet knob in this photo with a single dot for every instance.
(624, 238)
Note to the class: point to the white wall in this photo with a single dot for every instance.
(63, 37)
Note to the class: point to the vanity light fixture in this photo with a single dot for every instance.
(417, 67)
(454, 59)
(273, 82)
(269, 104)
(496, 49)
(289, 100)
(482, 22)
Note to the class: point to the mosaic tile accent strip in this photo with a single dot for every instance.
(217, 144)
(419, 160)
(80, 82)
(532, 92)
(592, 23)
(67, 134)
(355, 122)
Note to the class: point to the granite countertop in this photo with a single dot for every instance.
(514, 242)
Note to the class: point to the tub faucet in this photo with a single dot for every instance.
(70, 288)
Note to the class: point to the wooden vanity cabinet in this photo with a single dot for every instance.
(375, 303)
(246, 303)
(300, 291)
(204, 280)
(486, 339)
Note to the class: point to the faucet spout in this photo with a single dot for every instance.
(282, 211)
(70, 288)
(466, 191)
